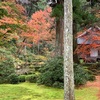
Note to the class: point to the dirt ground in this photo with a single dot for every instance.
(95, 83)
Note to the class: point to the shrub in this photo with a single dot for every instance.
(13, 79)
(58, 85)
(21, 78)
(31, 78)
(6, 65)
(6, 69)
(82, 75)
(52, 73)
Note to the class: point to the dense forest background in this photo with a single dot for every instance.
(31, 40)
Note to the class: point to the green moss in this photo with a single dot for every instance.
(30, 91)
(86, 94)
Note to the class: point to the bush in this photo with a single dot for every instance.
(6, 69)
(82, 75)
(6, 65)
(13, 79)
(52, 73)
(31, 78)
(21, 78)
(58, 85)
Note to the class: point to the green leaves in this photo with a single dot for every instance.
(3, 12)
(57, 11)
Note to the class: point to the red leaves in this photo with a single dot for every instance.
(34, 30)
(91, 40)
(12, 22)
(7, 20)
(4, 31)
(25, 44)
(40, 24)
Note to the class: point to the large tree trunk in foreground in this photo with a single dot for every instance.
(68, 51)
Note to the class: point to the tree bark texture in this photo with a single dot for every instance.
(68, 51)
(59, 33)
(59, 36)
(75, 56)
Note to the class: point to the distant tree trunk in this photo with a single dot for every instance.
(68, 51)
(25, 50)
(38, 47)
(75, 56)
(59, 36)
(59, 33)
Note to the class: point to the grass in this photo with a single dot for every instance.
(86, 94)
(29, 91)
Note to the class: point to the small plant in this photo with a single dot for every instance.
(82, 75)
(21, 78)
(52, 73)
(31, 78)
(6, 68)
(13, 79)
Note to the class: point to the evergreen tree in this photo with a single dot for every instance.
(81, 18)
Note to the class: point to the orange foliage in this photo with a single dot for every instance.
(4, 31)
(13, 9)
(12, 23)
(7, 20)
(38, 28)
(40, 24)
(91, 40)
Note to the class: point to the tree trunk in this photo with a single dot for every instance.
(68, 51)
(59, 33)
(59, 36)
(75, 56)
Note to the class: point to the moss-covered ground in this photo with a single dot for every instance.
(30, 91)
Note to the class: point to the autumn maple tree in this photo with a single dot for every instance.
(39, 27)
(14, 24)
(12, 21)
